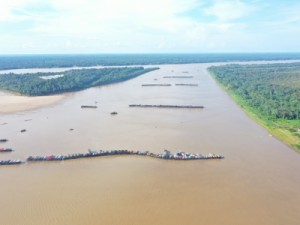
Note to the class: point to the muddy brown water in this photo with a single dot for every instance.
(257, 183)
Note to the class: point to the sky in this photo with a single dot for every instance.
(148, 26)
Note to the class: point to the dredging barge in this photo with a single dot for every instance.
(168, 106)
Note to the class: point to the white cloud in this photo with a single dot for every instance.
(7, 8)
(75, 26)
(228, 10)
(287, 19)
(102, 16)
(119, 23)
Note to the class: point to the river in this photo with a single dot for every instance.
(258, 182)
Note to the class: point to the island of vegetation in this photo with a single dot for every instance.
(37, 84)
(269, 93)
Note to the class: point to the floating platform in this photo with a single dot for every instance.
(168, 106)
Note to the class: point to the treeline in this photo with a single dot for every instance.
(50, 61)
(71, 80)
(271, 89)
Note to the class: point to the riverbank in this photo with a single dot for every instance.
(279, 129)
(10, 103)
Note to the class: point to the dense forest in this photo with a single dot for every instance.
(271, 91)
(50, 61)
(37, 84)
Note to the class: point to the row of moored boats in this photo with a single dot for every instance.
(167, 155)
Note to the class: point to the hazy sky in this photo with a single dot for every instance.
(149, 26)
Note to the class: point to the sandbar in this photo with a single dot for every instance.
(10, 103)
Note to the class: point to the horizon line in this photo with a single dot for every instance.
(148, 53)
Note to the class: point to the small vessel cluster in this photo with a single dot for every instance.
(167, 106)
(166, 155)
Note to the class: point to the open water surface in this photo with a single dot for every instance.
(258, 182)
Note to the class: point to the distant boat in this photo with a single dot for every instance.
(11, 162)
(89, 106)
(113, 113)
(3, 140)
(23, 130)
(5, 150)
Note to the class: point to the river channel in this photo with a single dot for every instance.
(258, 182)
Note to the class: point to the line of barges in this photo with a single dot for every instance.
(168, 106)
(166, 155)
(186, 85)
(178, 77)
(156, 85)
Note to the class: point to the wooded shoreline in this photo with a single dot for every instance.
(286, 130)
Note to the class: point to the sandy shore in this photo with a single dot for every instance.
(10, 103)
